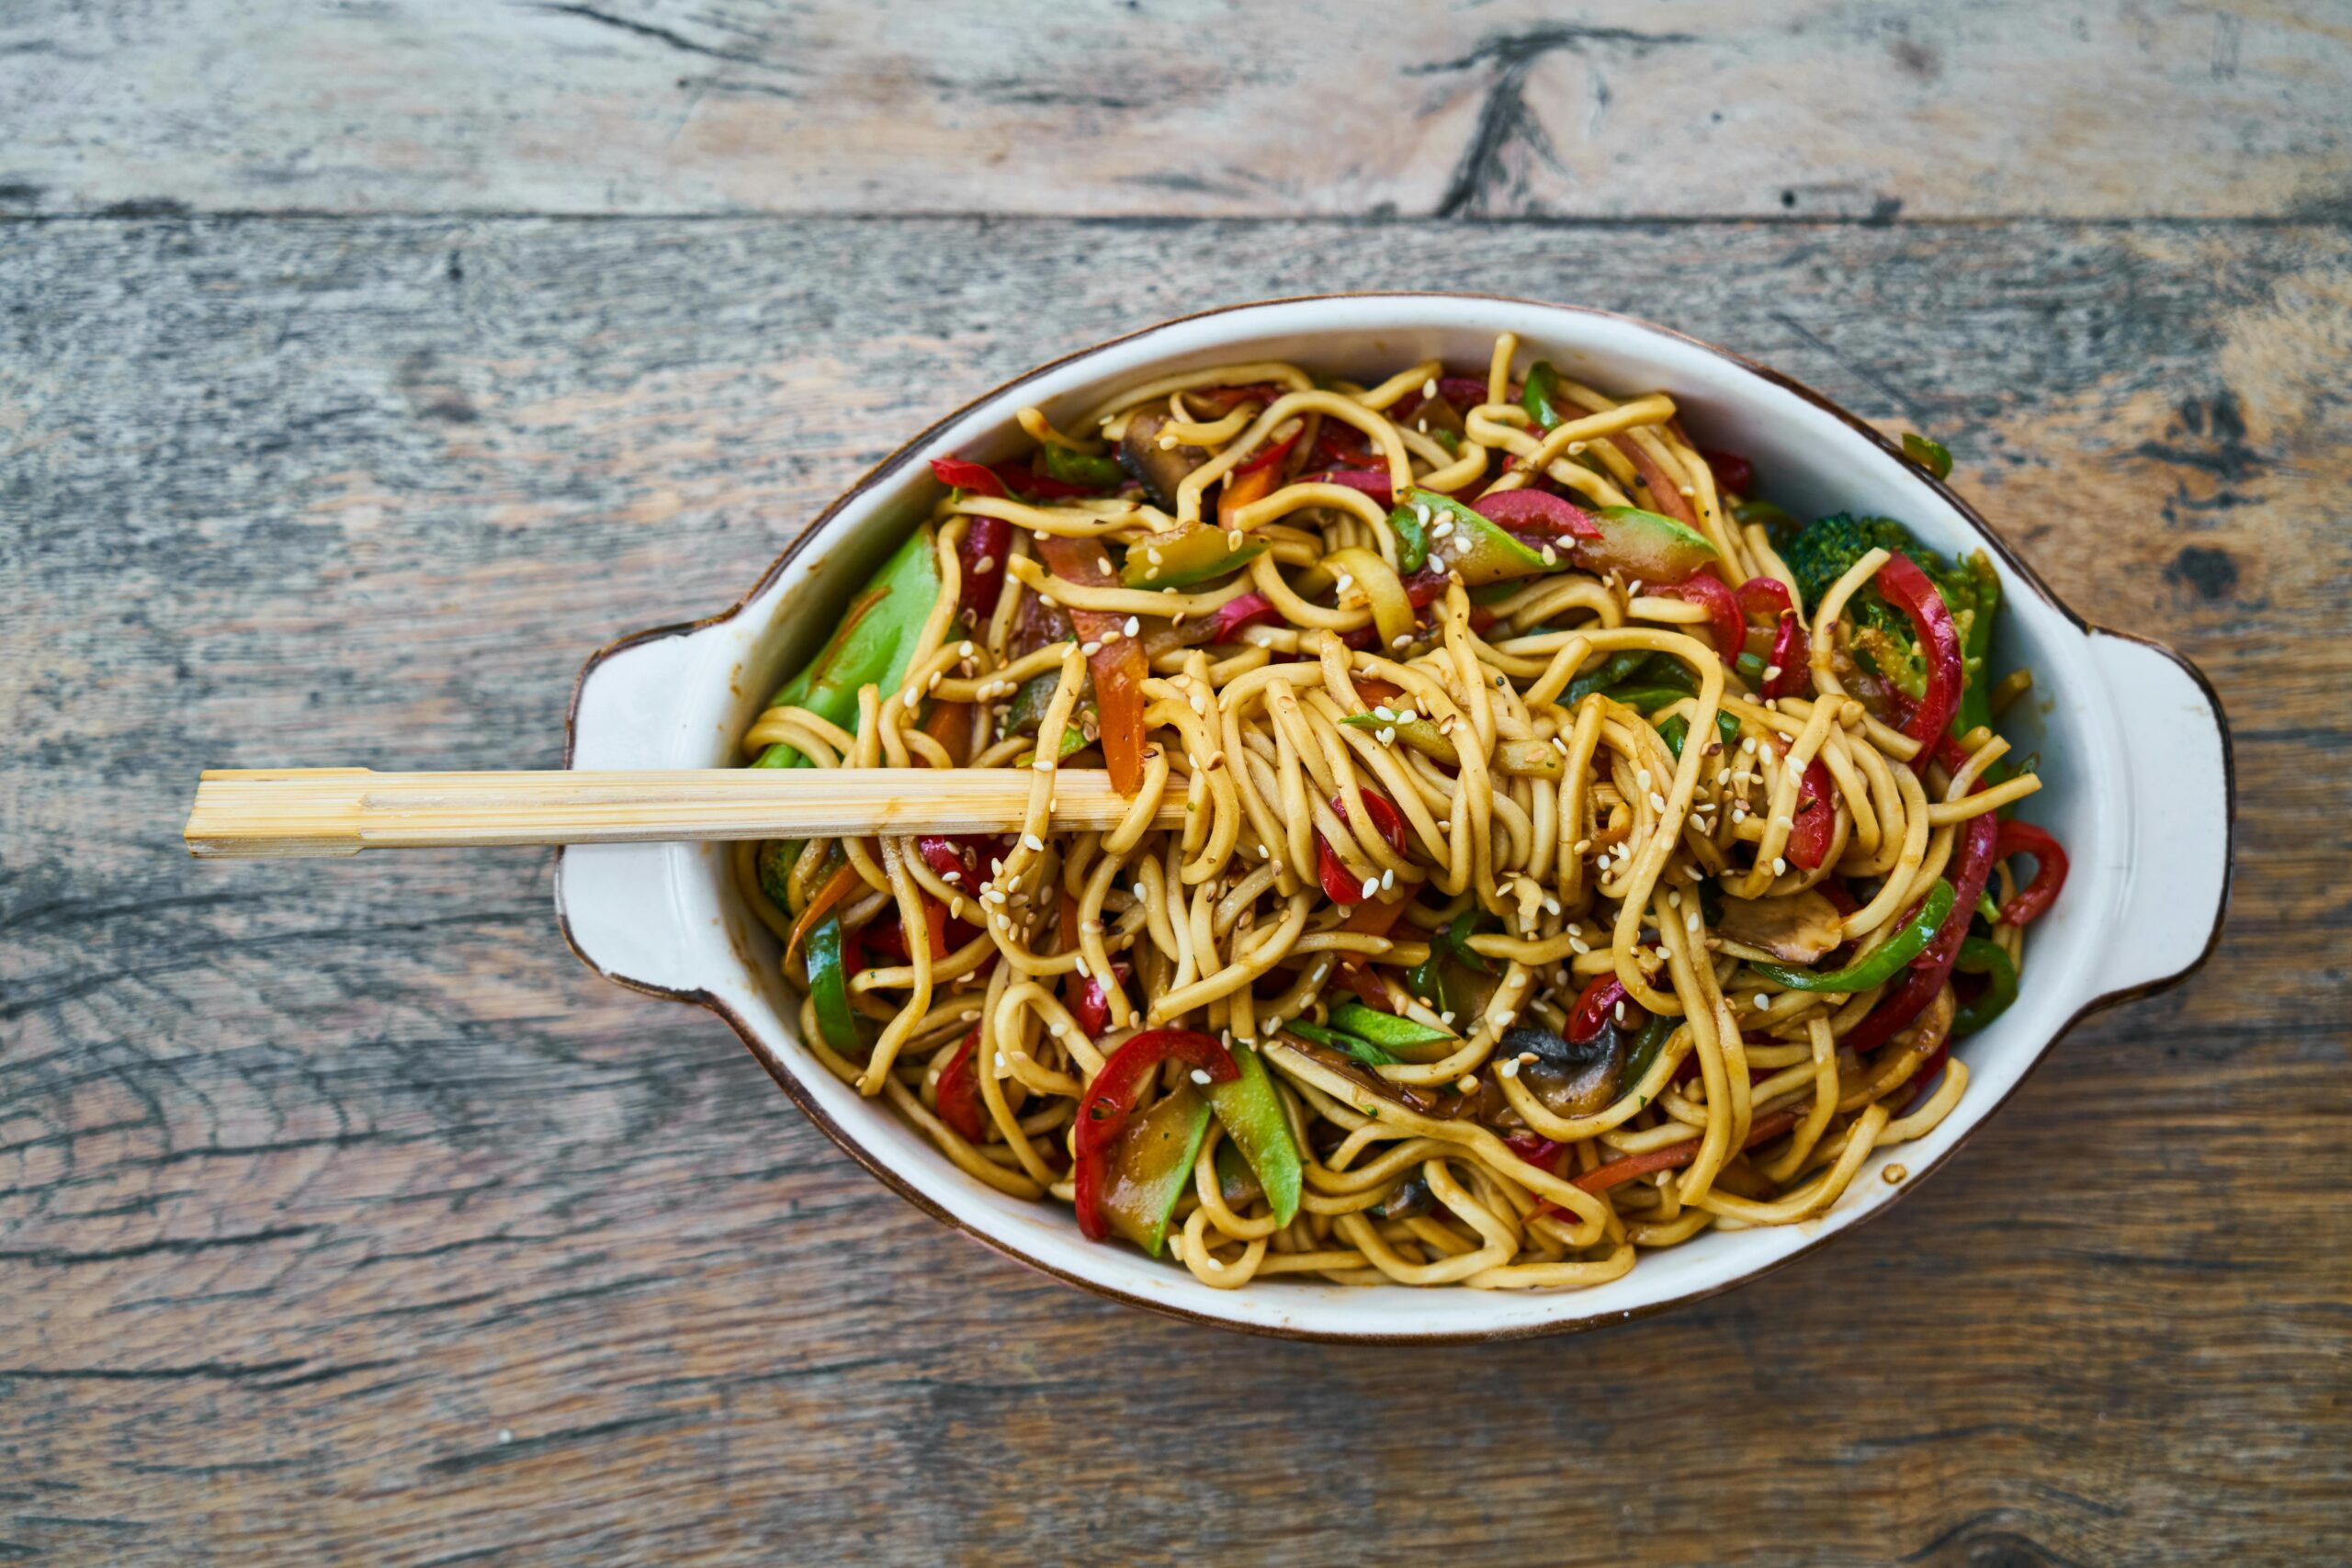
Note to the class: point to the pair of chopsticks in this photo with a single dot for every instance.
(315, 813)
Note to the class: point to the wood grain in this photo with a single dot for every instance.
(344, 1216)
(1694, 107)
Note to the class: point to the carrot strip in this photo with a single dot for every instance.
(837, 888)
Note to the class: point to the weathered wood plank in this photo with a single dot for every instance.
(1694, 107)
(344, 1216)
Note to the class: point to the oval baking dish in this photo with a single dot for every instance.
(2131, 740)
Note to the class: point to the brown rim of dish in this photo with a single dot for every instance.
(788, 1081)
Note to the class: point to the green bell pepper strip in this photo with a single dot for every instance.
(1421, 734)
(1235, 1180)
(1887, 961)
(1074, 468)
(1676, 730)
(1541, 396)
(828, 985)
(1412, 539)
(1187, 558)
(774, 863)
(1928, 453)
(1387, 1029)
(873, 647)
(1455, 940)
(1252, 1113)
(1615, 669)
(1150, 1166)
(1982, 955)
(1363, 1051)
(1645, 1049)
(1475, 548)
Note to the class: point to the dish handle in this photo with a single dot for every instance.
(2184, 804)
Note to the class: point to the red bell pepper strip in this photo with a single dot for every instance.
(888, 939)
(1596, 1007)
(1332, 448)
(946, 857)
(1372, 918)
(1600, 1178)
(1242, 610)
(1028, 484)
(1338, 883)
(960, 1105)
(987, 541)
(1374, 483)
(1118, 660)
(1792, 654)
(1224, 399)
(1087, 997)
(1464, 392)
(1816, 822)
(1734, 474)
(1538, 513)
(1906, 586)
(2049, 871)
(1267, 456)
(1724, 621)
(1897, 1011)
(962, 473)
(1110, 1100)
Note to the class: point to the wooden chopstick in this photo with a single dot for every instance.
(314, 812)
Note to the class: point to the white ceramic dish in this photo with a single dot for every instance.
(2131, 740)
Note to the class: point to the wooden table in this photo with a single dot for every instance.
(363, 367)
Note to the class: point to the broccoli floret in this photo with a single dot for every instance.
(1881, 635)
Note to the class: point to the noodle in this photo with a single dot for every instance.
(1550, 927)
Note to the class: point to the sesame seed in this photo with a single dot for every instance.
(1044, 764)
(1387, 735)
(1134, 626)
(1643, 775)
(1402, 640)
(1090, 648)
(1771, 672)
(1780, 866)
(1763, 1002)
(1691, 919)
(1428, 387)
(1688, 491)
(1388, 880)
(1658, 801)
(1233, 538)
(1508, 1069)
(1578, 948)
(1200, 1076)
(1576, 449)
(1206, 1256)
(1467, 1083)
(1551, 556)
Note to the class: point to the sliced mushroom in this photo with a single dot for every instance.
(1434, 415)
(1572, 1078)
(1797, 928)
(1159, 468)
